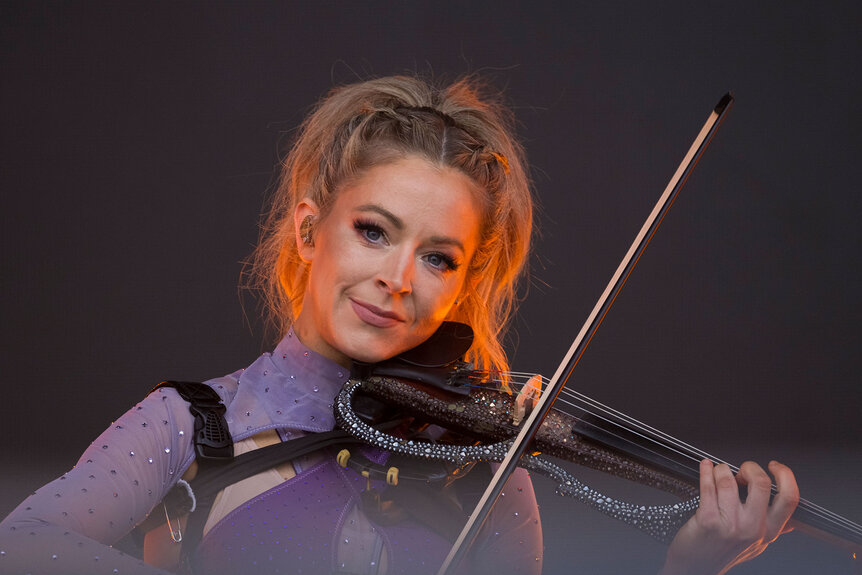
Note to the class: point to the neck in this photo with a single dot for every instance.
(312, 340)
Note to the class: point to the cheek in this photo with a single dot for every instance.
(439, 298)
(342, 263)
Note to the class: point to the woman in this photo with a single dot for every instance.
(400, 206)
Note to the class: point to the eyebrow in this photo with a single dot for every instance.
(393, 219)
(398, 223)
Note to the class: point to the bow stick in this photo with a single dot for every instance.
(576, 351)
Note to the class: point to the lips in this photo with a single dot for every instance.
(374, 315)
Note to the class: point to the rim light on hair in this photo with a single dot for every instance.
(359, 126)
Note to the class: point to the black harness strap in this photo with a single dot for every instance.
(218, 468)
(206, 486)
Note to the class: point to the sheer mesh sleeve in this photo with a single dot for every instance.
(68, 525)
(511, 540)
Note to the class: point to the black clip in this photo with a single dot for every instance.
(212, 437)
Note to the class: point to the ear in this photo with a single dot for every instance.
(306, 209)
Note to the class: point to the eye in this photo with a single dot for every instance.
(371, 232)
(441, 261)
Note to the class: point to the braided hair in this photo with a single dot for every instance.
(367, 124)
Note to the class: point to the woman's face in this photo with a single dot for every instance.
(388, 261)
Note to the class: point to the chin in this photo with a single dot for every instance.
(376, 348)
(373, 353)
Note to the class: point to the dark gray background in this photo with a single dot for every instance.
(139, 140)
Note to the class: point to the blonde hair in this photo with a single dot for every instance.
(358, 126)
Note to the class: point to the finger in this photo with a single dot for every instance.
(708, 497)
(727, 492)
(759, 487)
(753, 516)
(785, 501)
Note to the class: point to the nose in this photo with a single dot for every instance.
(396, 272)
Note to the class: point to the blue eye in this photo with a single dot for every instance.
(372, 233)
(441, 261)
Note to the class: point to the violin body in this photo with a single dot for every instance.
(660, 521)
(486, 418)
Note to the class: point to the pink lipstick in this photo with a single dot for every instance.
(374, 315)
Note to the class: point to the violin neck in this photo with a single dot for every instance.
(660, 451)
(828, 527)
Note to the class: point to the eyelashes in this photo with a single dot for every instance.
(442, 261)
(374, 234)
(370, 231)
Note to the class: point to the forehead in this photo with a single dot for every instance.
(419, 193)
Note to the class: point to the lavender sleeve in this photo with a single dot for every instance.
(68, 525)
(511, 540)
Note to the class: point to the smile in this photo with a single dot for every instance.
(375, 316)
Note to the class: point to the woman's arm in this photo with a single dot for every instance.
(68, 525)
(510, 542)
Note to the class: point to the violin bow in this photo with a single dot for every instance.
(579, 345)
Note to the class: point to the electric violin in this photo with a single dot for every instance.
(431, 381)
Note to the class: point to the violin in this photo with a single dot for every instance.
(584, 431)
(430, 381)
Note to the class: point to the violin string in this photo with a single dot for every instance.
(810, 506)
(641, 435)
(669, 440)
(617, 424)
(813, 508)
(646, 437)
(693, 452)
(639, 425)
(590, 424)
(634, 423)
(631, 429)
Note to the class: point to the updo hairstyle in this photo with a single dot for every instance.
(372, 123)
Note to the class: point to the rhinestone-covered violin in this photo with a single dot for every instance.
(428, 384)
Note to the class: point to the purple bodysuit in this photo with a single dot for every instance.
(308, 524)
